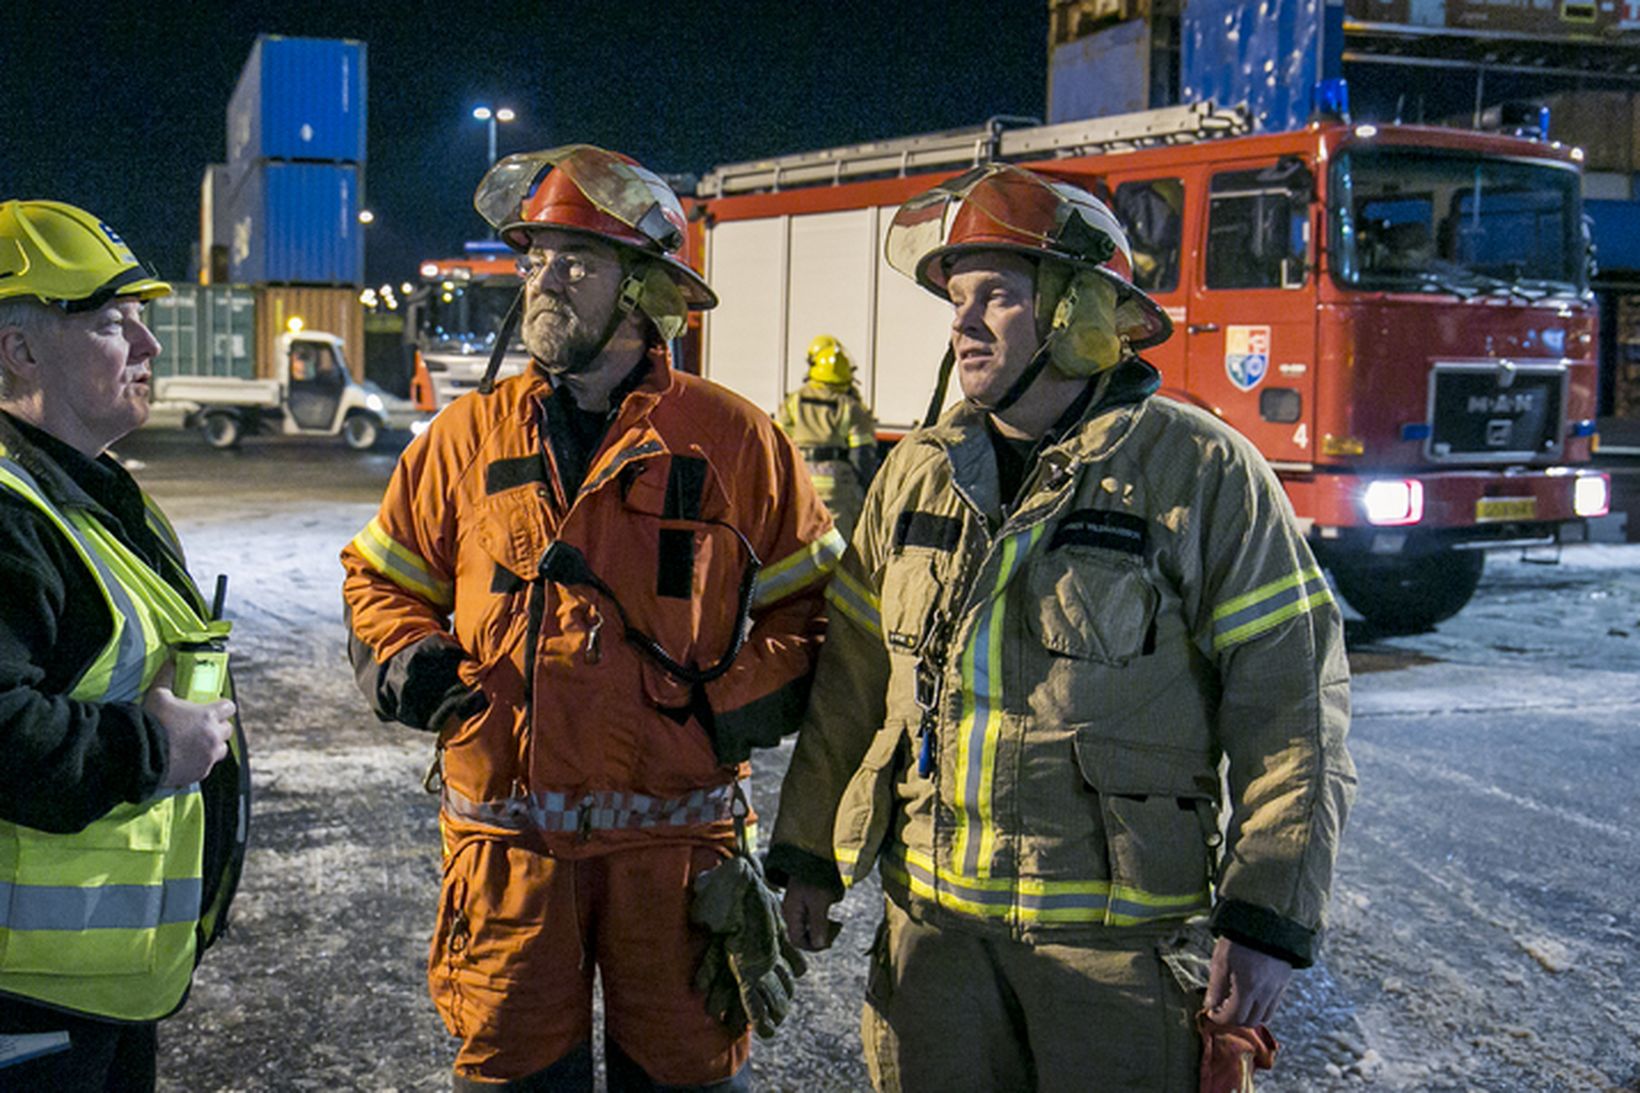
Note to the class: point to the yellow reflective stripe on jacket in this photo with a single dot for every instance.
(104, 920)
(1032, 900)
(978, 731)
(1247, 616)
(856, 601)
(400, 565)
(799, 569)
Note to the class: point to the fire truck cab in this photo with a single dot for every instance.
(452, 320)
(1399, 317)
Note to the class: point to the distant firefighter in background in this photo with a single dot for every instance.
(833, 428)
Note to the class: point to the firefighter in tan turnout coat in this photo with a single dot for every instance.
(834, 430)
(1068, 606)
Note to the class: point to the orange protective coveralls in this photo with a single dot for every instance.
(583, 785)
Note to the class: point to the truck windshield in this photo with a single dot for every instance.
(465, 314)
(1409, 219)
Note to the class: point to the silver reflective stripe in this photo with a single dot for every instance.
(125, 679)
(108, 907)
(601, 810)
(125, 682)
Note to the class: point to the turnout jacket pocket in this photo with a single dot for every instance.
(910, 598)
(1092, 604)
(1160, 812)
(864, 811)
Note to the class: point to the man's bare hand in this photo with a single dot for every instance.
(1244, 986)
(197, 736)
(804, 909)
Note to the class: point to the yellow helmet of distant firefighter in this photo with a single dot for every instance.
(828, 363)
(62, 255)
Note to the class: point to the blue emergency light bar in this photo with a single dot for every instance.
(1330, 98)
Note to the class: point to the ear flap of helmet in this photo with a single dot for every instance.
(1084, 341)
(662, 301)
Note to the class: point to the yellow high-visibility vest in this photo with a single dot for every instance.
(105, 921)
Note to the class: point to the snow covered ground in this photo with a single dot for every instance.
(1484, 933)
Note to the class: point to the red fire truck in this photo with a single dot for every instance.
(1398, 316)
(452, 319)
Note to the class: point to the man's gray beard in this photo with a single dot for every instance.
(562, 344)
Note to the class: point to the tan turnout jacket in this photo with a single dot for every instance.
(1023, 720)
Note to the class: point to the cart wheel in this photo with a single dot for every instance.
(220, 429)
(361, 431)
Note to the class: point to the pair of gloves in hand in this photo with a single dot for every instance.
(750, 971)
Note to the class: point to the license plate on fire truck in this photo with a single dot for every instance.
(1505, 508)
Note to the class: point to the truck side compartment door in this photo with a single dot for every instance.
(1250, 336)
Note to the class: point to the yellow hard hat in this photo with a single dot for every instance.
(823, 343)
(828, 363)
(63, 255)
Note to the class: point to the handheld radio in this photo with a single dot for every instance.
(201, 658)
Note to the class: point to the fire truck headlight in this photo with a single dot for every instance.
(1591, 496)
(1394, 502)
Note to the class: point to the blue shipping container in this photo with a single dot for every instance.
(1615, 229)
(297, 223)
(298, 98)
(1267, 55)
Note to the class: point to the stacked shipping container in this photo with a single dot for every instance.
(207, 330)
(294, 181)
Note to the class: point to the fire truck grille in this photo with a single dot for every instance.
(1488, 412)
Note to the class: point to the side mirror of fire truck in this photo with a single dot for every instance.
(1589, 249)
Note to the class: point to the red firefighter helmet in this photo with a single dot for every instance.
(1001, 207)
(587, 190)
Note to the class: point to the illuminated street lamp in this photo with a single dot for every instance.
(366, 216)
(485, 114)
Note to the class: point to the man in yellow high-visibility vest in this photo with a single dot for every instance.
(124, 790)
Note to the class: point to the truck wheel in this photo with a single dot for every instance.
(220, 429)
(361, 431)
(1407, 595)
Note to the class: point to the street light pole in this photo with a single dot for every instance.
(491, 117)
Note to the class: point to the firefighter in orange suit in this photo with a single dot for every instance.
(1067, 608)
(600, 584)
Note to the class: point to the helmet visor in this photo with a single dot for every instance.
(997, 206)
(631, 194)
(1013, 209)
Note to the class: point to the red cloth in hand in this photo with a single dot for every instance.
(1230, 1054)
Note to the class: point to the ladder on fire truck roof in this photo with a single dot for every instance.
(997, 139)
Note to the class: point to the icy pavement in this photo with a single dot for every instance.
(1483, 932)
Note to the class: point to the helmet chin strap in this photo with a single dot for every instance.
(625, 302)
(503, 338)
(1016, 390)
(1033, 368)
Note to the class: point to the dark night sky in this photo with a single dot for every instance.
(119, 107)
